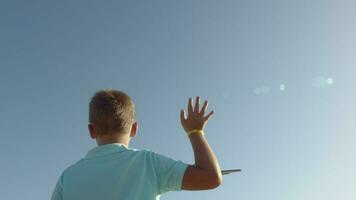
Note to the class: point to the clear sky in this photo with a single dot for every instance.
(280, 76)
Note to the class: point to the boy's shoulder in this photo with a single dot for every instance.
(144, 152)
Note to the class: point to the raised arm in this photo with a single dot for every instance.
(206, 173)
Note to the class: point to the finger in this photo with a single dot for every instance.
(196, 107)
(203, 109)
(190, 106)
(182, 115)
(209, 115)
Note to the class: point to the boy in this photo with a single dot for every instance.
(113, 171)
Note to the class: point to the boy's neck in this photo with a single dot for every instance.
(113, 138)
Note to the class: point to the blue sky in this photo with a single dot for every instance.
(293, 144)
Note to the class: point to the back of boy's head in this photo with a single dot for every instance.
(111, 111)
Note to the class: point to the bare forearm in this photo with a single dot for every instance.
(204, 156)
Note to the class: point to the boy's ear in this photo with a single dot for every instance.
(92, 130)
(134, 129)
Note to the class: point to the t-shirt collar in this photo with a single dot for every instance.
(106, 149)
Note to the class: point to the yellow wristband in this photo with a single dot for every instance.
(196, 131)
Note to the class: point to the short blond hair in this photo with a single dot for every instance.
(111, 111)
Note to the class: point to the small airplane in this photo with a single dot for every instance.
(228, 171)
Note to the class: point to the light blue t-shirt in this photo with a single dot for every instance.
(116, 172)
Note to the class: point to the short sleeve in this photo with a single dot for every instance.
(58, 190)
(169, 172)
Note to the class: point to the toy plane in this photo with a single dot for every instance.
(228, 171)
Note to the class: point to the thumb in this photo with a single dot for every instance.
(182, 115)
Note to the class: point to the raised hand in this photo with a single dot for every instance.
(196, 118)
